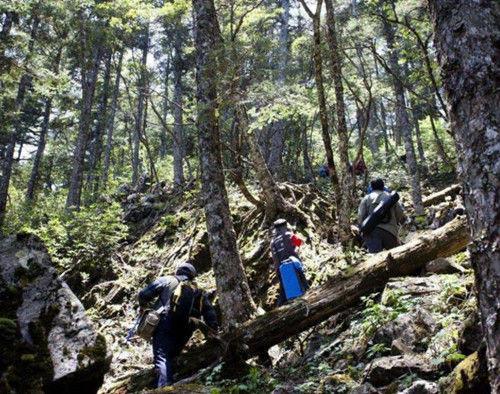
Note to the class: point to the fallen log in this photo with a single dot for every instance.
(336, 295)
(439, 196)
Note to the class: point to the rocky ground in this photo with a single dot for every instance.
(420, 335)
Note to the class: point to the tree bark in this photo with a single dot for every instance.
(141, 88)
(111, 122)
(337, 295)
(165, 109)
(102, 121)
(90, 60)
(439, 144)
(420, 147)
(467, 34)
(323, 109)
(233, 291)
(8, 159)
(274, 201)
(306, 158)
(35, 170)
(178, 140)
(347, 180)
(278, 129)
(402, 120)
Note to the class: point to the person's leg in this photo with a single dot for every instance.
(281, 297)
(161, 354)
(373, 242)
(389, 241)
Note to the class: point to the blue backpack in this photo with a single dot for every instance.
(290, 270)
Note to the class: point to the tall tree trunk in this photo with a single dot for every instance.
(232, 287)
(402, 121)
(4, 36)
(383, 125)
(373, 135)
(273, 199)
(415, 114)
(35, 170)
(102, 122)
(347, 181)
(141, 88)
(323, 109)
(90, 61)
(178, 140)
(278, 129)
(111, 122)
(439, 144)
(8, 159)
(306, 158)
(466, 36)
(166, 107)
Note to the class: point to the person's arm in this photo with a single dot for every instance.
(276, 262)
(208, 313)
(152, 291)
(362, 211)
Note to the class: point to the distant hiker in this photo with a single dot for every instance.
(323, 171)
(287, 264)
(385, 233)
(359, 167)
(180, 305)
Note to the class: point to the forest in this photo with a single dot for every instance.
(189, 152)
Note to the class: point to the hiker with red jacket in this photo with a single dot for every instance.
(284, 246)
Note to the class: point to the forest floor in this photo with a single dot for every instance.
(419, 328)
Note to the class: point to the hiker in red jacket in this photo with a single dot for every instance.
(285, 244)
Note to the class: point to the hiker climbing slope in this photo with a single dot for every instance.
(287, 264)
(385, 234)
(180, 304)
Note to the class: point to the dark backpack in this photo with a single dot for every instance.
(381, 213)
(281, 245)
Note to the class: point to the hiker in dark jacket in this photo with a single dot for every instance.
(172, 334)
(385, 234)
(285, 244)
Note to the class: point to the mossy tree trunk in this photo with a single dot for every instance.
(320, 91)
(467, 35)
(347, 177)
(233, 291)
(403, 126)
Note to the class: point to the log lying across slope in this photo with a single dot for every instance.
(439, 196)
(338, 294)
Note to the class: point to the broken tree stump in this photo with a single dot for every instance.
(338, 294)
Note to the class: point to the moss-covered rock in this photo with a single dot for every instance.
(49, 342)
(470, 376)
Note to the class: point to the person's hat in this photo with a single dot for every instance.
(186, 269)
(279, 223)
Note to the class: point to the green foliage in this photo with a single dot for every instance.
(376, 314)
(256, 381)
(83, 239)
(377, 350)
